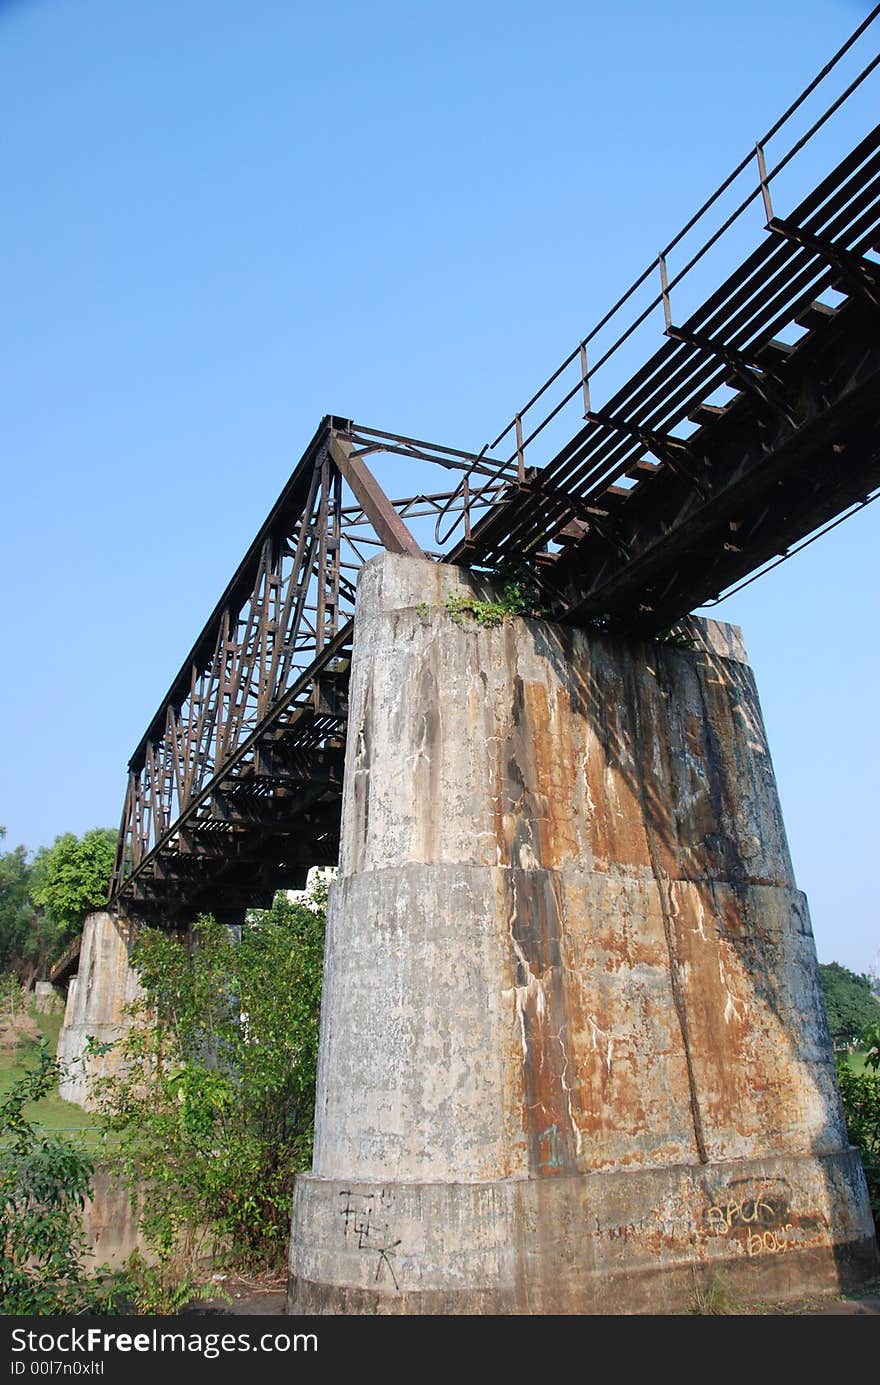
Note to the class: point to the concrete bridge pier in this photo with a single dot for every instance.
(96, 999)
(573, 1048)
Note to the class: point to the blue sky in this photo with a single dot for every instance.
(219, 221)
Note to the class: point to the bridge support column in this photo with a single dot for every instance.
(573, 1047)
(96, 1000)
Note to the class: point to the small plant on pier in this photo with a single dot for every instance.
(519, 597)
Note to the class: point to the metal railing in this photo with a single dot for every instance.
(576, 373)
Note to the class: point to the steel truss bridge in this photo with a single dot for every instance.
(751, 422)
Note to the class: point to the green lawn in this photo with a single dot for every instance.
(856, 1061)
(51, 1112)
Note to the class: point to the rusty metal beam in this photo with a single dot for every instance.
(370, 496)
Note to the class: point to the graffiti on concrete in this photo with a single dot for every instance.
(365, 1219)
(756, 1216)
(548, 1144)
(769, 1242)
(743, 1212)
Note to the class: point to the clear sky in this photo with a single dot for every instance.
(221, 220)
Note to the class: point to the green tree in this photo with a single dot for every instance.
(17, 915)
(870, 1042)
(860, 1094)
(71, 877)
(212, 1113)
(849, 1001)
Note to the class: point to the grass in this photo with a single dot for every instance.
(856, 1061)
(52, 1112)
(715, 1298)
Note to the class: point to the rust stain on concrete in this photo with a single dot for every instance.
(542, 1004)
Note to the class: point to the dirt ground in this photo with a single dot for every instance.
(251, 1298)
(247, 1297)
(14, 1032)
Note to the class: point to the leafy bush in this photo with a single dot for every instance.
(870, 1042)
(212, 1113)
(44, 1181)
(860, 1093)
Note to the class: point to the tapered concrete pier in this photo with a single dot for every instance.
(573, 1046)
(96, 999)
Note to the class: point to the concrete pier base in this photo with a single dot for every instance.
(574, 1056)
(46, 998)
(613, 1241)
(96, 999)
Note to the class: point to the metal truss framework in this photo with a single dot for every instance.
(657, 501)
(233, 791)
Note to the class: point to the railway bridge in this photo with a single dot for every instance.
(573, 1043)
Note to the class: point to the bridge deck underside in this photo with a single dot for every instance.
(266, 820)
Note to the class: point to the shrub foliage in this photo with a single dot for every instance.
(212, 1114)
(44, 1182)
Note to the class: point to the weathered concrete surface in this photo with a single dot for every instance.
(46, 998)
(110, 1223)
(616, 1241)
(572, 1037)
(96, 999)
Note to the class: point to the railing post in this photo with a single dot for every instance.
(664, 290)
(765, 188)
(585, 379)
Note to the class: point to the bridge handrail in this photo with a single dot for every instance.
(473, 496)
